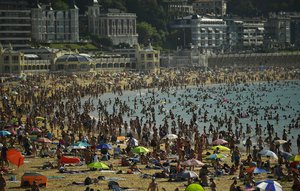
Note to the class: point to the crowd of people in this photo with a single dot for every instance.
(59, 106)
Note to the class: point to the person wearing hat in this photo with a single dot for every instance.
(2, 182)
(153, 186)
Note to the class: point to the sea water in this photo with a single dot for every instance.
(281, 97)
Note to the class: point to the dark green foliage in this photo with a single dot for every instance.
(153, 17)
(261, 7)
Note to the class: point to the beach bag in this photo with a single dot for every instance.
(88, 181)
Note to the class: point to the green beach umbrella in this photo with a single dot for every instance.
(98, 165)
(295, 158)
(140, 149)
(194, 187)
(14, 93)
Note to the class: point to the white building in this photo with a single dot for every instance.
(50, 25)
(253, 32)
(208, 33)
(119, 26)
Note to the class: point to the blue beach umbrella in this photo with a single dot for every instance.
(285, 155)
(256, 170)
(4, 133)
(104, 146)
(269, 185)
(215, 156)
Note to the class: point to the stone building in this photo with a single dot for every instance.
(120, 27)
(212, 7)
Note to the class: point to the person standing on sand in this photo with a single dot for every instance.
(2, 183)
(213, 185)
(233, 186)
(153, 186)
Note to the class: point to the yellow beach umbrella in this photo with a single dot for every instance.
(221, 148)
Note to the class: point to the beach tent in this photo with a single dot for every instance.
(194, 187)
(15, 157)
(28, 179)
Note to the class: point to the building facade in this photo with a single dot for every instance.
(208, 34)
(118, 26)
(148, 59)
(17, 62)
(179, 8)
(295, 29)
(15, 23)
(212, 7)
(50, 25)
(253, 32)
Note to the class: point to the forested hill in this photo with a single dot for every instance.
(238, 7)
(153, 18)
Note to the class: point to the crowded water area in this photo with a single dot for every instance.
(174, 130)
(253, 107)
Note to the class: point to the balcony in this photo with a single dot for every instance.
(19, 25)
(15, 31)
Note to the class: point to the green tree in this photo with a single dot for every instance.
(147, 33)
(60, 5)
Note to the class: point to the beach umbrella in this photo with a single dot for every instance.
(285, 155)
(140, 149)
(15, 157)
(81, 144)
(76, 147)
(269, 185)
(13, 132)
(39, 118)
(280, 142)
(170, 136)
(221, 148)
(36, 130)
(121, 138)
(104, 146)
(14, 120)
(255, 170)
(215, 156)
(295, 164)
(295, 158)
(133, 142)
(219, 142)
(43, 140)
(192, 162)
(268, 153)
(194, 187)
(188, 174)
(4, 133)
(98, 165)
(14, 93)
